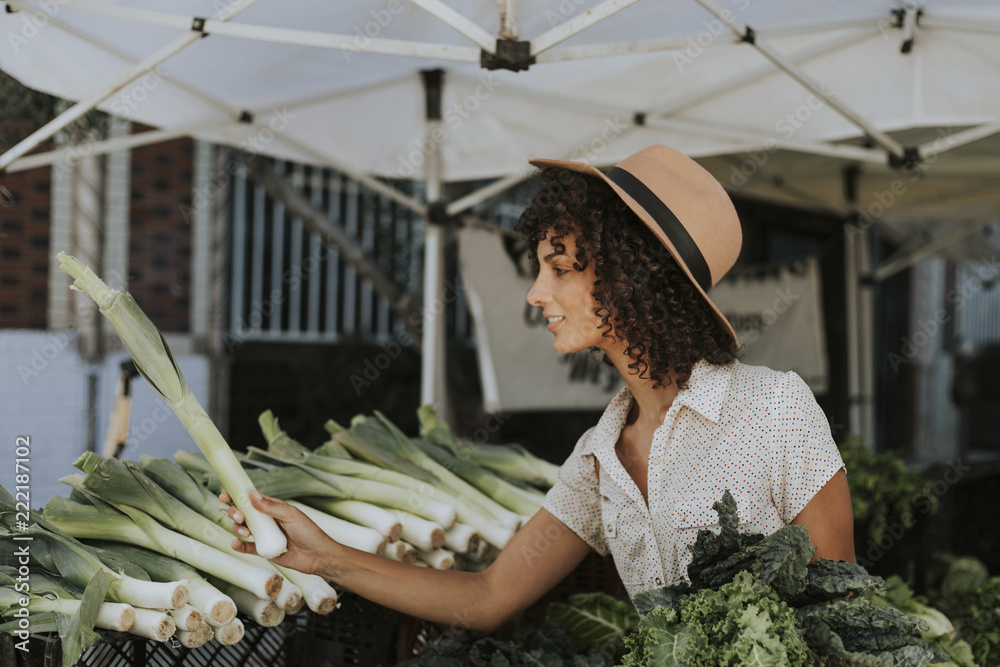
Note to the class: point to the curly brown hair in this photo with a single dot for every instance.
(644, 297)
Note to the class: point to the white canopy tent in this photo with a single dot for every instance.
(879, 109)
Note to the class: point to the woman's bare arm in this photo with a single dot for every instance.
(830, 520)
(540, 555)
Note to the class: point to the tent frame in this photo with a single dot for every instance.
(540, 49)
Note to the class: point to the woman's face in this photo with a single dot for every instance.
(567, 298)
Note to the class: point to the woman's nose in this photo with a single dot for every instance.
(538, 294)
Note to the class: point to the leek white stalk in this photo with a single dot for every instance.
(264, 612)
(423, 534)
(187, 618)
(402, 552)
(231, 633)
(215, 606)
(156, 364)
(316, 592)
(461, 538)
(78, 566)
(142, 530)
(153, 624)
(347, 533)
(116, 616)
(123, 483)
(361, 513)
(193, 639)
(289, 597)
(439, 559)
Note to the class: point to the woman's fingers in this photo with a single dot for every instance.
(224, 497)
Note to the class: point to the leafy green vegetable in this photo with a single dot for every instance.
(971, 599)
(822, 606)
(593, 619)
(744, 622)
(883, 489)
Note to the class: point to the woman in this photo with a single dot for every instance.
(624, 264)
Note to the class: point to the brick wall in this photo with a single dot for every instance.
(159, 236)
(24, 244)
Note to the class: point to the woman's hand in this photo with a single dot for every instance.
(308, 545)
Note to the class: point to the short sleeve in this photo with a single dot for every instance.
(576, 499)
(804, 455)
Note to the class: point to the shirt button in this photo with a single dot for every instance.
(659, 581)
(655, 460)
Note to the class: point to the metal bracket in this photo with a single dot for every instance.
(198, 25)
(911, 158)
(510, 54)
(437, 214)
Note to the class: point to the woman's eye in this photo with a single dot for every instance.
(559, 272)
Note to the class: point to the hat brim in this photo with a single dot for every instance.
(649, 221)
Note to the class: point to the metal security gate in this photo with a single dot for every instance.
(287, 286)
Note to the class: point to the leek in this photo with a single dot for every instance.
(316, 592)
(76, 565)
(402, 552)
(264, 612)
(77, 633)
(136, 527)
(176, 481)
(187, 618)
(511, 460)
(361, 513)
(301, 480)
(347, 533)
(510, 496)
(153, 359)
(216, 606)
(153, 624)
(402, 447)
(230, 633)
(421, 533)
(123, 483)
(462, 538)
(439, 559)
(197, 638)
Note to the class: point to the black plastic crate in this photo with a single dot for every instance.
(260, 647)
(358, 633)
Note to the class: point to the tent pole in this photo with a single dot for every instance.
(866, 347)
(792, 70)
(143, 67)
(851, 233)
(578, 24)
(458, 22)
(433, 368)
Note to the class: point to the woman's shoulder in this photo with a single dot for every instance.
(766, 382)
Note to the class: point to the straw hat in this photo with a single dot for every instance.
(683, 205)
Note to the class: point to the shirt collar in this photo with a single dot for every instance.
(705, 394)
(707, 389)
